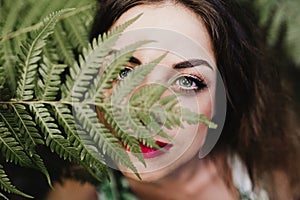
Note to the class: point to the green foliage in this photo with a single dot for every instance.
(277, 15)
(55, 85)
(6, 185)
(64, 99)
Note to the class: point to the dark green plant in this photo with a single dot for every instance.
(276, 15)
(52, 97)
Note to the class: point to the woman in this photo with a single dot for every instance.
(255, 157)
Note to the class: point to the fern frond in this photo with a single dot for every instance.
(8, 47)
(194, 118)
(49, 84)
(63, 46)
(40, 165)
(53, 136)
(5, 83)
(133, 80)
(80, 139)
(8, 119)
(121, 128)
(7, 186)
(111, 73)
(9, 68)
(27, 127)
(77, 34)
(30, 55)
(153, 93)
(20, 124)
(2, 70)
(2, 195)
(92, 60)
(11, 149)
(36, 11)
(106, 141)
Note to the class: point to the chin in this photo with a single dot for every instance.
(147, 177)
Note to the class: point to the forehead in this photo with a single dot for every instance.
(174, 27)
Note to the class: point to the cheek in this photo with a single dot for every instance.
(201, 103)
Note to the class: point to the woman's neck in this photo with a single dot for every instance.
(197, 179)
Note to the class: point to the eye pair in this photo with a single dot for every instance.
(184, 82)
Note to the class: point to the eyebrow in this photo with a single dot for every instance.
(192, 63)
(185, 64)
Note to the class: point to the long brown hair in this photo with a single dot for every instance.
(258, 125)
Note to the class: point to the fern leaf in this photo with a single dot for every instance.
(194, 118)
(30, 55)
(8, 119)
(63, 46)
(7, 186)
(36, 11)
(92, 60)
(77, 33)
(11, 149)
(27, 127)
(39, 165)
(8, 46)
(48, 87)
(139, 127)
(133, 80)
(80, 139)
(111, 73)
(121, 128)
(153, 93)
(3, 196)
(2, 70)
(106, 141)
(20, 124)
(6, 84)
(53, 135)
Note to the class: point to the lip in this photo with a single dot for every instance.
(153, 152)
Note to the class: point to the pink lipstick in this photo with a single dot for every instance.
(149, 152)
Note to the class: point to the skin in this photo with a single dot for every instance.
(179, 169)
(72, 190)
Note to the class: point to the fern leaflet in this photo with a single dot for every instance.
(79, 138)
(48, 85)
(20, 124)
(93, 58)
(53, 136)
(30, 55)
(27, 127)
(11, 149)
(102, 136)
(6, 185)
(111, 73)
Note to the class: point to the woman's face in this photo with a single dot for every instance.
(190, 61)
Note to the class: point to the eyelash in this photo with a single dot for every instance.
(197, 84)
(125, 70)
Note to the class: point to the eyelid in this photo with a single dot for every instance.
(198, 77)
(198, 80)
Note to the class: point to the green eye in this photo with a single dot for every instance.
(189, 83)
(185, 82)
(124, 72)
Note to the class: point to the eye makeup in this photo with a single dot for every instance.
(124, 72)
(187, 83)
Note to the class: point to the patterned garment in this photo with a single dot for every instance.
(118, 189)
